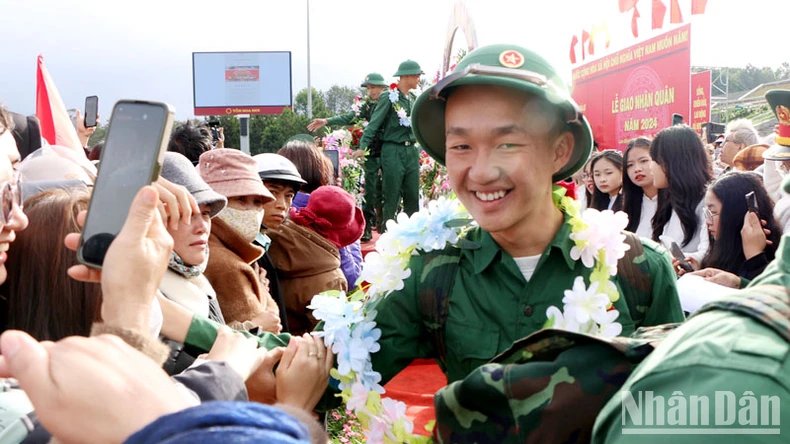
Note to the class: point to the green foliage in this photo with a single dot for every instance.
(339, 99)
(319, 104)
(748, 78)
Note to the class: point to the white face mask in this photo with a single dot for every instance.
(245, 222)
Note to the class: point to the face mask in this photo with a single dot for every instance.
(245, 222)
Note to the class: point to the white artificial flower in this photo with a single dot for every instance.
(338, 315)
(394, 95)
(384, 274)
(583, 304)
(561, 321)
(359, 398)
(605, 325)
(603, 233)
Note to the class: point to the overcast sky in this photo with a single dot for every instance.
(142, 49)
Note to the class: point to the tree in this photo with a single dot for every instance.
(783, 72)
(339, 99)
(319, 104)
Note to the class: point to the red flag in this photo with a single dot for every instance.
(659, 11)
(698, 6)
(674, 12)
(585, 37)
(56, 126)
(574, 42)
(634, 26)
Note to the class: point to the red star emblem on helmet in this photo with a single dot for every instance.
(511, 59)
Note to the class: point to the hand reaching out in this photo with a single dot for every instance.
(303, 373)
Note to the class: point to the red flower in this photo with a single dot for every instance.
(393, 86)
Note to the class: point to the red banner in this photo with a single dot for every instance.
(635, 91)
(218, 111)
(700, 96)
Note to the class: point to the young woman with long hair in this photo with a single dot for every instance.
(682, 170)
(640, 195)
(607, 171)
(740, 245)
(42, 299)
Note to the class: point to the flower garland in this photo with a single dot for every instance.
(403, 116)
(349, 327)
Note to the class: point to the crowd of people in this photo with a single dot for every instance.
(198, 326)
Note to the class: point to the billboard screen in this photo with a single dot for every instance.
(241, 82)
(635, 91)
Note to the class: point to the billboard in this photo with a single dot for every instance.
(241, 82)
(635, 91)
(700, 104)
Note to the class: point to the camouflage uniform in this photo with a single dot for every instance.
(492, 305)
(740, 344)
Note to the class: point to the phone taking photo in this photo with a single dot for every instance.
(676, 252)
(91, 111)
(134, 149)
(751, 202)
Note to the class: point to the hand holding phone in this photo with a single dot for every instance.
(677, 253)
(751, 202)
(136, 141)
(91, 111)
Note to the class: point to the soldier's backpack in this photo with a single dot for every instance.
(438, 276)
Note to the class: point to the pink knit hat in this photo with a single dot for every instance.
(232, 173)
(332, 213)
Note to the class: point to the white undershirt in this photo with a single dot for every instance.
(649, 207)
(527, 265)
(612, 199)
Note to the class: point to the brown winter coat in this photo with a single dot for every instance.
(307, 264)
(237, 284)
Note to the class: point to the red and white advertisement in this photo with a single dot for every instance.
(700, 100)
(635, 91)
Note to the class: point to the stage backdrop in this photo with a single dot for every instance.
(635, 91)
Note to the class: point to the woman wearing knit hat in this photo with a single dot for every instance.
(305, 250)
(240, 292)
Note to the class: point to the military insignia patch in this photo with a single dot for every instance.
(511, 59)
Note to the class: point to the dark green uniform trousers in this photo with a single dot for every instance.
(400, 168)
(372, 205)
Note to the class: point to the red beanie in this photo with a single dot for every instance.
(332, 213)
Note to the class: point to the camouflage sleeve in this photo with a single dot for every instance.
(665, 307)
(341, 120)
(398, 317)
(531, 401)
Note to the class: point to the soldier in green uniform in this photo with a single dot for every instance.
(733, 353)
(507, 129)
(400, 158)
(374, 83)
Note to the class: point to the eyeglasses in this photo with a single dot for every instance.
(11, 195)
(521, 74)
(709, 216)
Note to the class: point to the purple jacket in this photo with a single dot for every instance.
(350, 256)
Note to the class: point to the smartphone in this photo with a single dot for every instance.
(134, 149)
(751, 202)
(91, 111)
(676, 252)
(677, 119)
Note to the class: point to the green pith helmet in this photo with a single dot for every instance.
(779, 102)
(408, 68)
(373, 79)
(503, 62)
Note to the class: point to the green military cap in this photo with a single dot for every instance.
(302, 137)
(779, 101)
(504, 65)
(408, 68)
(374, 79)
